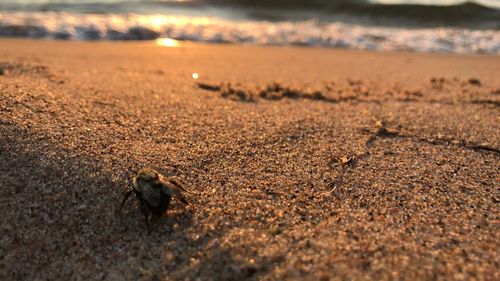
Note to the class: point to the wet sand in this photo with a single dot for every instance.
(302, 164)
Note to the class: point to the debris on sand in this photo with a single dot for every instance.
(475, 82)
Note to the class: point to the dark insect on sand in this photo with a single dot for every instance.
(154, 193)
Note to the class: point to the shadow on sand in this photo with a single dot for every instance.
(59, 221)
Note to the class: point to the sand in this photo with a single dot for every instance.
(302, 164)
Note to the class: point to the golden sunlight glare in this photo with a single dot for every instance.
(167, 42)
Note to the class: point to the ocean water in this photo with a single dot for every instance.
(448, 26)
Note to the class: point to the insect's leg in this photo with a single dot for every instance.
(129, 183)
(127, 195)
(177, 183)
(174, 188)
(145, 212)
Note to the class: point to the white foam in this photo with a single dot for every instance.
(211, 29)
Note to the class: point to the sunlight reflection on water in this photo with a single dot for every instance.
(167, 42)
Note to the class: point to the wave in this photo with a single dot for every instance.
(72, 26)
(466, 14)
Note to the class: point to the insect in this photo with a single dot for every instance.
(154, 193)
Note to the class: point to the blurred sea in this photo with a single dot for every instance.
(419, 25)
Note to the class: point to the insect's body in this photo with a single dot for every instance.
(154, 192)
(153, 195)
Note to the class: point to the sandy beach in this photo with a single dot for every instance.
(301, 163)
